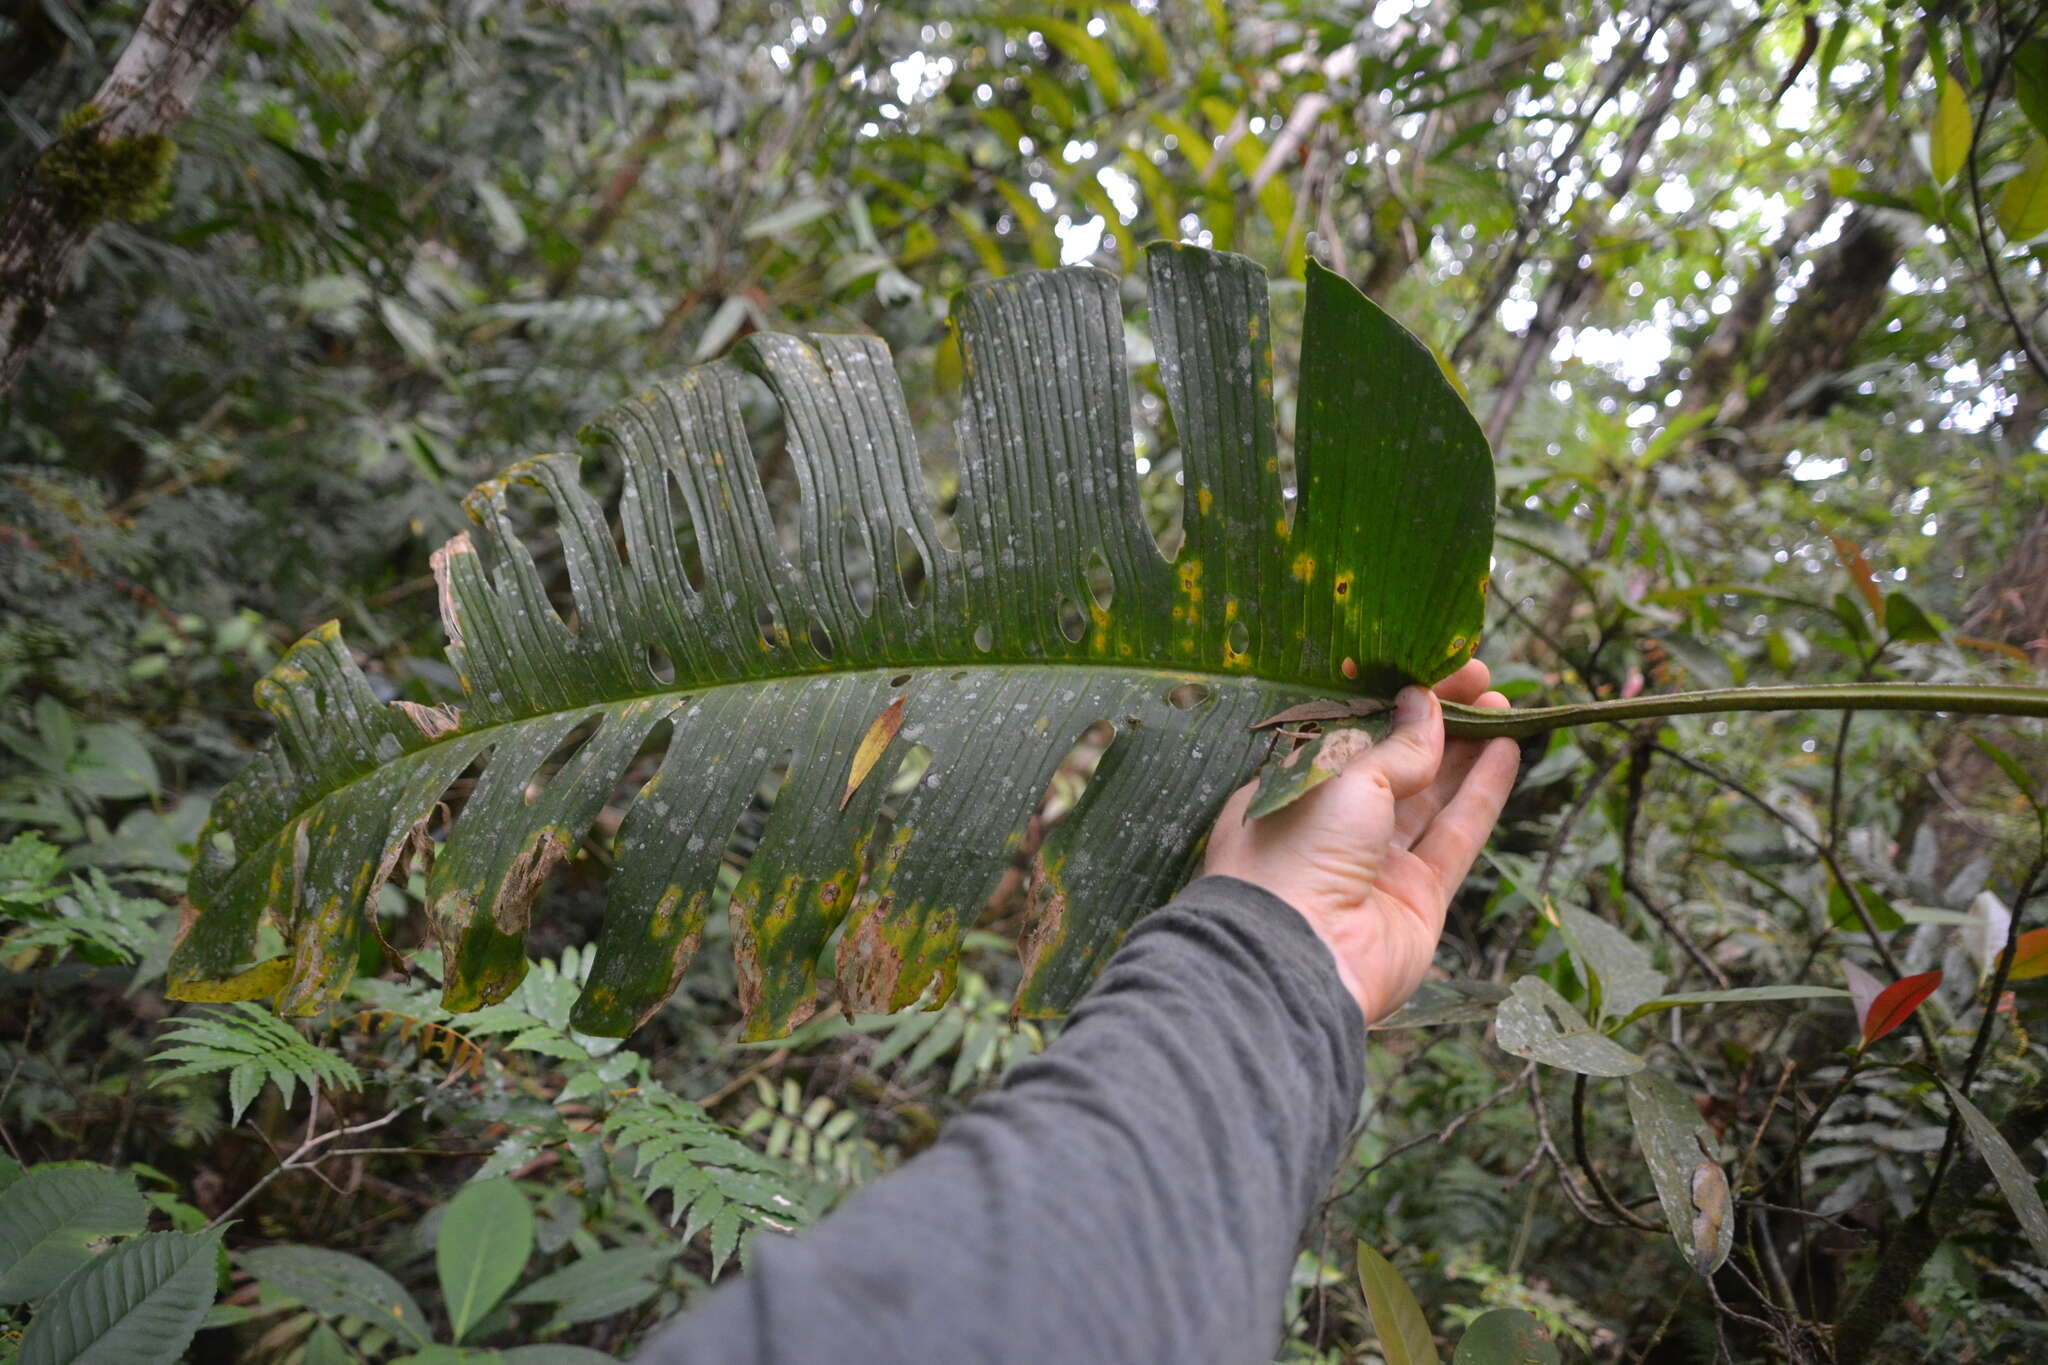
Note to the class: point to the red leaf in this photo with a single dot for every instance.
(1861, 575)
(2029, 956)
(1895, 1004)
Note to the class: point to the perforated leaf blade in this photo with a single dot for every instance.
(1537, 1023)
(696, 635)
(1691, 1184)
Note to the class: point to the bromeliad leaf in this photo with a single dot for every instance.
(1043, 609)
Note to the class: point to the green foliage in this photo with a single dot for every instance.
(485, 1237)
(84, 915)
(138, 1304)
(403, 243)
(50, 1215)
(254, 1047)
(136, 1301)
(712, 1180)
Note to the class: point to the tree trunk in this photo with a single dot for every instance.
(110, 161)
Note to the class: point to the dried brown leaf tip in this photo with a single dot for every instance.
(872, 744)
(1355, 708)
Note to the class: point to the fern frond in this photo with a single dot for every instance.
(253, 1046)
(711, 1176)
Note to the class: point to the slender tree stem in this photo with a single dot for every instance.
(1471, 722)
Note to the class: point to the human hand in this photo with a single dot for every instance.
(1372, 857)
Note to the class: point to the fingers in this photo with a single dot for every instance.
(1466, 684)
(1408, 758)
(1463, 826)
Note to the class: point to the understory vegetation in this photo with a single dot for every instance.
(1737, 1050)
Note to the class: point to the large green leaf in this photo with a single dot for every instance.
(1537, 1023)
(138, 1304)
(486, 1234)
(992, 657)
(1397, 1319)
(48, 1216)
(1691, 1184)
(337, 1285)
(1505, 1336)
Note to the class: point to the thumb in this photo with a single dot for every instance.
(1407, 759)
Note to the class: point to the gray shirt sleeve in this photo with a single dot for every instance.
(1132, 1195)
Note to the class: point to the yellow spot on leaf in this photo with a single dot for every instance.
(1204, 500)
(1305, 567)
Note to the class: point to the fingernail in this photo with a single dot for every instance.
(1411, 704)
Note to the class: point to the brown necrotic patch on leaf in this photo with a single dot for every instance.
(433, 721)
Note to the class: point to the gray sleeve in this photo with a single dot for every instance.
(1132, 1195)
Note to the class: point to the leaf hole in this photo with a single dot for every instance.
(747, 831)
(1161, 473)
(1101, 582)
(917, 761)
(1073, 624)
(1070, 780)
(1239, 639)
(902, 678)
(536, 524)
(1188, 696)
(910, 567)
(537, 782)
(661, 666)
(769, 620)
(821, 639)
(984, 639)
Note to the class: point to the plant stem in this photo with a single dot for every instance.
(1472, 722)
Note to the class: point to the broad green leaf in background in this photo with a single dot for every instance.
(1948, 142)
(2023, 204)
(47, 1217)
(1739, 995)
(599, 1285)
(2030, 786)
(486, 1234)
(2030, 82)
(138, 1304)
(1904, 619)
(1397, 1320)
(1537, 1023)
(335, 1284)
(1446, 1002)
(1000, 654)
(1505, 1336)
(1623, 973)
(2014, 1180)
(1691, 1184)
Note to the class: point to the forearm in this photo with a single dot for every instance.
(1133, 1195)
